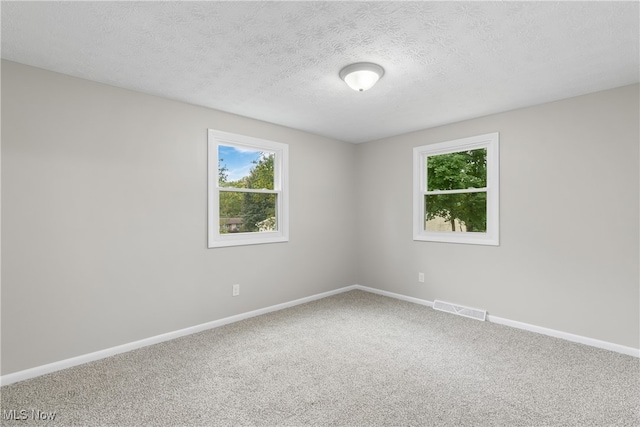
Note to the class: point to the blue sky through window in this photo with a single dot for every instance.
(238, 161)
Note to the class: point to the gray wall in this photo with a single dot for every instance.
(104, 219)
(568, 258)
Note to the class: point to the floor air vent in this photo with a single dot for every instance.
(460, 310)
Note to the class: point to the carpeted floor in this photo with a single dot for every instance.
(354, 359)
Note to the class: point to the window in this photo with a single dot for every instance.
(248, 190)
(456, 191)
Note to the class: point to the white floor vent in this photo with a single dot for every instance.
(460, 310)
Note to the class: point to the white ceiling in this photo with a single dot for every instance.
(279, 61)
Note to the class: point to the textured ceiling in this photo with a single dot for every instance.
(279, 61)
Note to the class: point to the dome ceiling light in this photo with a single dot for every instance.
(362, 75)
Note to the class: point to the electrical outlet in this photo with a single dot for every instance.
(236, 290)
(421, 277)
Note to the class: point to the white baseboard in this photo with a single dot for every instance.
(630, 351)
(394, 295)
(79, 360)
(101, 354)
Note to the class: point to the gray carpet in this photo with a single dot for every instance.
(354, 359)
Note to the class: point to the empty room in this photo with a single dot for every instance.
(320, 213)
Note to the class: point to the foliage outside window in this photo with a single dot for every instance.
(456, 191)
(248, 200)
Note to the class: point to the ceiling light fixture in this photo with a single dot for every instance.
(362, 75)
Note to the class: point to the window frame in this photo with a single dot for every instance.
(491, 142)
(215, 138)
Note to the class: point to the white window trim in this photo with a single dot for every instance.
(280, 187)
(489, 141)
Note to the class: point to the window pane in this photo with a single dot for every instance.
(245, 168)
(247, 212)
(463, 212)
(457, 171)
